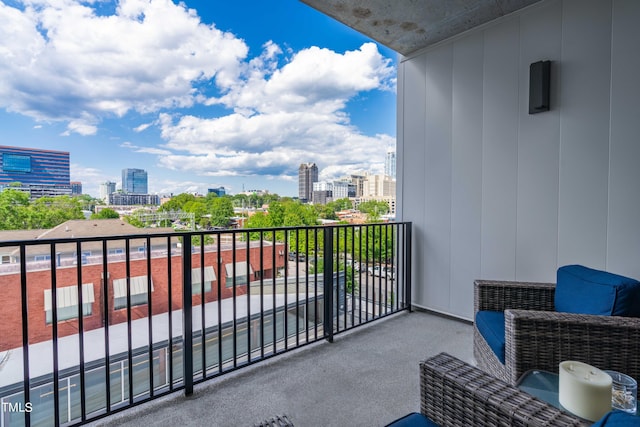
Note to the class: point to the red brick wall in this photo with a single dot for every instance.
(38, 281)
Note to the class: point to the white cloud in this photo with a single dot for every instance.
(284, 116)
(62, 61)
(147, 150)
(89, 177)
(59, 60)
(315, 79)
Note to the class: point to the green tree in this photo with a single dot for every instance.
(87, 202)
(106, 213)
(135, 221)
(220, 210)
(276, 213)
(259, 220)
(48, 212)
(374, 209)
(177, 203)
(14, 206)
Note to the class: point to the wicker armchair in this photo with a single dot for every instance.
(537, 337)
(454, 393)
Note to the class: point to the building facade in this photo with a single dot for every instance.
(161, 274)
(76, 188)
(390, 163)
(220, 191)
(107, 188)
(327, 191)
(122, 199)
(307, 175)
(380, 186)
(156, 258)
(40, 172)
(134, 181)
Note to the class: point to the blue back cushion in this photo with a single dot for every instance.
(490, 324)
(587, 291)
(618, 419)
(413, 419)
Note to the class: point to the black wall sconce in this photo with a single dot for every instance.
(539, 82)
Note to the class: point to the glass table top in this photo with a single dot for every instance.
(543, 385)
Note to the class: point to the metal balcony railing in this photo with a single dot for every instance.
(92, 326)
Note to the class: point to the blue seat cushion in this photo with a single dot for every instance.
(490, 324)
(414, 419)
(587, 291)
(618, 419)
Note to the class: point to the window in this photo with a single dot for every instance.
(196, 276)
(138, 292)
(5, 259)
(42, 258)
(116, 251)
(241, 274)
(67, 302)
(16, 163)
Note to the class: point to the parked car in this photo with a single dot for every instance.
(390, 272)
(293, 256)
(375, 270)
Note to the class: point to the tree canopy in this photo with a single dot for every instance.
(209, 211)
(374, 209)
(106, 213)
(17, 212)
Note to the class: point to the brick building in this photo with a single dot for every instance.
(164, 271)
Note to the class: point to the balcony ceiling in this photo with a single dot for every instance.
(407, 26)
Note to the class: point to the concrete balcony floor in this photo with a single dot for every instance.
(366, 377)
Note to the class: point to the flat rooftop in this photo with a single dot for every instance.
(366, 377)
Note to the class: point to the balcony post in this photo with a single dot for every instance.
(407, 254)
(328, 283)
(187, 320)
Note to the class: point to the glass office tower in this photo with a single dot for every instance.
(41, 172)
(134, 181)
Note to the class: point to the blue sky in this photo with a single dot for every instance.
(199, 93)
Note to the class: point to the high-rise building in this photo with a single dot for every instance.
(327, 191)
(134, 181)
(390, 163)
(122, 199)
(379, 186)
(307, 175)
(220, 191)
(40, 172)
(107, 188)
(76, 188)
(358, 181)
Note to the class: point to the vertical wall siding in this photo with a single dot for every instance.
(437, 184)
(538, 148)
(411, 110)
(623, 229)
(500, 112)
(466, 170)
(584, 89)
(497, 193)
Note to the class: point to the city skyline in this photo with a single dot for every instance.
(217, 96)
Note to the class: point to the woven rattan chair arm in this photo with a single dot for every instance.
(454, 393)
(543, 339)
(501, 295)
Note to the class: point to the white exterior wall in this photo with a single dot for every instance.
(340, 190)
(496, 193)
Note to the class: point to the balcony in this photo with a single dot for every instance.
(367, 377)
(153, 302)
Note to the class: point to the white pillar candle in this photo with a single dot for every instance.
(584, 390)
